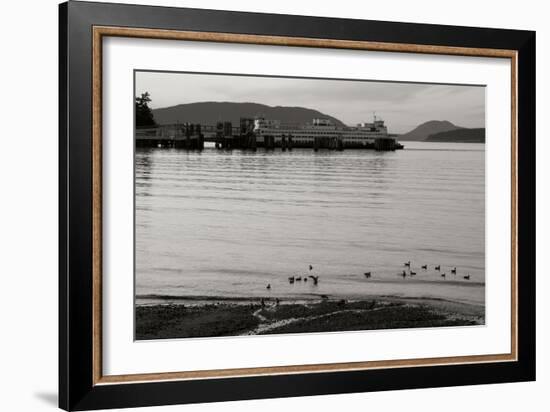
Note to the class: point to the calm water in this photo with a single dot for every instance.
(222, 223)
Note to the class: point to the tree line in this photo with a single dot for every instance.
(144, 114)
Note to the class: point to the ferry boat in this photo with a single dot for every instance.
(321, 133)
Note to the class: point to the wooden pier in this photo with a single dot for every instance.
(187, 136)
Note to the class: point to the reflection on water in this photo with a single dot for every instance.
(227, 223)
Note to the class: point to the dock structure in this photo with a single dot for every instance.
(229, 137)
(254, 133)
(386, 144)
(182, 136)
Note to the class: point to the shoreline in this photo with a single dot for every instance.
(200, 316)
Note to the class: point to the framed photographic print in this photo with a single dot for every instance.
(256, 206)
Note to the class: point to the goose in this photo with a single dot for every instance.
(408, 264)
(467, 277)
(443, 275)
(413, 273)
(404, 274)
(324, 297)
(453, 271)
(298, 279)
(315, 279)
(438, 267)
(291, 280)
(268, 286)
(305, 279)
(367, 275)
(310, 267)
(424, 266)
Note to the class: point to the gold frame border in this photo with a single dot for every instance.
(101, 31)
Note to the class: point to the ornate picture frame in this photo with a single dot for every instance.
(83, 385)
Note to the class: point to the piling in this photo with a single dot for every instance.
(316, 143)
(269, 142)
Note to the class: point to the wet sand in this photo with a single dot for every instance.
(211, 317)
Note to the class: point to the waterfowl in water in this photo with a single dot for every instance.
(443, 275)
(315, 279)
(408, 264)
(310, 267)
(438, 267)
(291, 280)
(413, 273)
(424, 266)
(467, 277)
(367, 275)
(268, 286)
(404, 274)
(453, 271)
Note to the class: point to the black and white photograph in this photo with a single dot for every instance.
(285, 205)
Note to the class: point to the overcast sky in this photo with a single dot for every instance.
(402, 105)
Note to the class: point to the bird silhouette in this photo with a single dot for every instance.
(407, 263)
(424, 266)
(467, 277)
(268, 286)
(367, 275)
(453, 271)
(438, 267)
(310, 267)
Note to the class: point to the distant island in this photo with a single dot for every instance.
(212, 112)
(423, 131)
(459, 136)
(444, 131)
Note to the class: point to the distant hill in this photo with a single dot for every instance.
(427, 129)
(212, 112)
(459, 135)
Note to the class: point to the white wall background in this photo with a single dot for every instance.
(28, 203)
